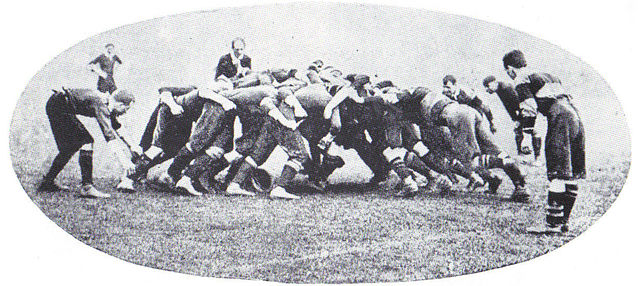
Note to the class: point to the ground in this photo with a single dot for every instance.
(350, 233)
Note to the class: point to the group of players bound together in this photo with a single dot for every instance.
(414, 132)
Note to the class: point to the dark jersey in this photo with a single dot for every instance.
(87, 102)
(509, 98)
(543, 87)
(228, 69)
(106, 64)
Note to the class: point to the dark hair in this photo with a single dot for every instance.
(448, 78)
(487, 80)
(358, 80)
(383, 84)
(237, 39)
(109, 45)
(515, 59)
(124, 96)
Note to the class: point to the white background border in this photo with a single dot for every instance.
(35, 250)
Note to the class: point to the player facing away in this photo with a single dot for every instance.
(523, 111)
(104, 66)
(564, 143)
(71, 135)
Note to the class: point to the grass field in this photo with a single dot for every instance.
(349, 233)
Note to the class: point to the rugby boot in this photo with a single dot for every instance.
(125, 185)
(545, 229)
(186, 185)
(90, 191)
(520, 194)
(166, 180)
(234, 189)
(525, 150)
(409, 188)
(280, 193)
(494, 184)
(475, 181)
(50, 186)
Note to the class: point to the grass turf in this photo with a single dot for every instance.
(349, 234)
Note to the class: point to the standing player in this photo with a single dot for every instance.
(521, 110)
(70, 135)
(564, 143)
(104, 66)
(235, 64)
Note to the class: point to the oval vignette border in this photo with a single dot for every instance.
(169, 16)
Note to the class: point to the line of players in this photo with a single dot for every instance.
(284, 107)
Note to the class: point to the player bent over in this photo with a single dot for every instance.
(71, 135)
(523, 111)
(169, 126)
(564, 143)
(474, 143)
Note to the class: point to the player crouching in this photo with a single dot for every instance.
(71, 135)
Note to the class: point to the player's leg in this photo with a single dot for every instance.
(259, 151)
(63, 126)
(208, 127)
(562, 191)
(212, 160)
(293, 144)
(493, 157)
(413, 158)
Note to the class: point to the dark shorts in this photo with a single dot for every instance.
(106, 85)
(394, 132)
(68, 132)
(273, 134)
(171, 132)
(212, 123)
(527, 123)
(564, 144)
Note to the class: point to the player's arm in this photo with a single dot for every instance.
(269, 105)
(166, 97)
(218, 97)
(94, 67)
(341, 95)
(110, 135)
(222, 65)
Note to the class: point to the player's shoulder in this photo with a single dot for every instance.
(226, 57)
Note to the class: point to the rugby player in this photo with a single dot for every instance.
(564, 142)
(523, 111)
(474, 144)
(71, 135)
(462, 95)
(104, 66)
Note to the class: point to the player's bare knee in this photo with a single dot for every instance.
(87, 147)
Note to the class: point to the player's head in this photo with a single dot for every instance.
(384, 84)
(316, 65)
(490, 84)
(237, 45)
(512, 62)
(122, 101)
(110, 48)
(449, 86)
